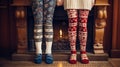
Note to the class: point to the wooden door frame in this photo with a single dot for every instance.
(115, 52)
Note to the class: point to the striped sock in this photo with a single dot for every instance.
(49, 38)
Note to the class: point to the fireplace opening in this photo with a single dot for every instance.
(60, 25)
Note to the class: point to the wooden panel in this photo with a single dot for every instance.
(13, 30)
(115, 20)
(21, 2)
(116, 30)
(108, 29)
(99, 2)
(4, 30)
(21, 26)
(118, 33)
(7, 29)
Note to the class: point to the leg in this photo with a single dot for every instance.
(83, 14)
(49, 6)
(73, 20)
(37, 7)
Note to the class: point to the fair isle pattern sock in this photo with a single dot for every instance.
(38, 38)
(49, 38)
(73, 20)
(83, 14)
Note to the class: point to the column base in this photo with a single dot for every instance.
(98, 49)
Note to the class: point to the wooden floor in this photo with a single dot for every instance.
(59, 56)
(115, 62)
(110, 63)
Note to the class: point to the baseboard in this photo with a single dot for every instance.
(115, 53)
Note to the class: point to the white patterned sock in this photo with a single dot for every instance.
(48, 47)
(38, 47)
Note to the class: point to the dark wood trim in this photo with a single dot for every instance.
(115, 20)
(4, 28)
(115, 52)
(118, 29)
(13, 30)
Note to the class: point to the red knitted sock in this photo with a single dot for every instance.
(83, 14)
(73, 57)
(84, 58)
(73, 20)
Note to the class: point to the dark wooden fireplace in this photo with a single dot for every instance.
(24, 24)
(60, 25)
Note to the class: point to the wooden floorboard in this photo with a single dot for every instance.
(55, 64)
(60, 56)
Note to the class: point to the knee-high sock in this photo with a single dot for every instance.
(38, 38)
(49, 38)
(72, 30)
(37, 7)
(49, 6)
(83, 14)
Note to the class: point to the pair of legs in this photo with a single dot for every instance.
(78, 20)
(43, 11)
